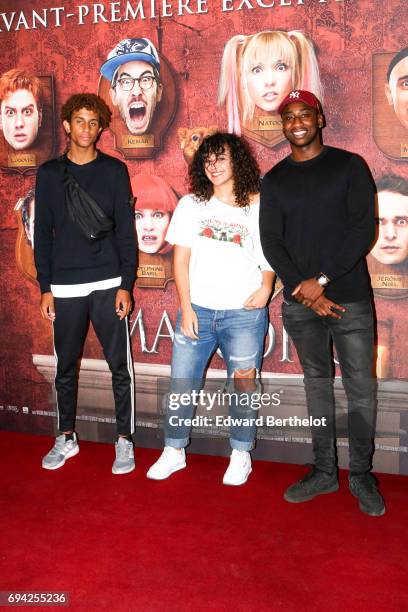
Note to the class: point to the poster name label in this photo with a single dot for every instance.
(151, 271)
(269, 124)
(19, 160)
(389, 281)
(131, 141)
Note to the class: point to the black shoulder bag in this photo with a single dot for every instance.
(82, 208)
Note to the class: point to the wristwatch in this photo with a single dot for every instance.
(322, 279)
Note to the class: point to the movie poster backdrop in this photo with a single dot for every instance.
(219, 64)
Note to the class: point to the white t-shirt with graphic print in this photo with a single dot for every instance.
(226, 254)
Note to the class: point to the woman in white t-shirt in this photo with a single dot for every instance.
(224, 283)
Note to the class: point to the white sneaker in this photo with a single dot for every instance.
(171, 460)
(239, 468)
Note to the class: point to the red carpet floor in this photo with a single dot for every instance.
(189, 543)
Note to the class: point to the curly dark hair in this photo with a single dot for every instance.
(244, 165)
(89, 101)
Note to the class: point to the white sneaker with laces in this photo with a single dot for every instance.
(171, 460)
(239, 468)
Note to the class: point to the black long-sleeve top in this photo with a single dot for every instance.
(319, 216)
(63, 255)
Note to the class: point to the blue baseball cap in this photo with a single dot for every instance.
(128, 50)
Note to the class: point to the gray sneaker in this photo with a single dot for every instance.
(365, 488)
(314, 483)
(125, 457)
(60, 452)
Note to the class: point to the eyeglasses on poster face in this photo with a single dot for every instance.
(145, 82)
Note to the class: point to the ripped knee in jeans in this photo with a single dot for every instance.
(244, 380)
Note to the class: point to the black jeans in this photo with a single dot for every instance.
(353, 338)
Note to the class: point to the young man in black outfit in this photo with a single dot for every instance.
(84, 280)
(317, 224)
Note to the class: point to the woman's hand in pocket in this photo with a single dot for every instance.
(189, 323)
(258, 299)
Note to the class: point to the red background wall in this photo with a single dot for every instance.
(346, 35)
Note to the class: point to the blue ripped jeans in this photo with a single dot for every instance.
(240, 335)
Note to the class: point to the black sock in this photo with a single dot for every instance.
(69, 436)
(128, 438)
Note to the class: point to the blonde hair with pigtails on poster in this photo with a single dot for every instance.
(242, 52)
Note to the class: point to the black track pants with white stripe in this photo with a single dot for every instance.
(70, 329)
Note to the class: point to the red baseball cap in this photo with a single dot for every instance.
(300, 95)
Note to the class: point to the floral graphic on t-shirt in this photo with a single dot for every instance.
(207, 232)
(223, 231)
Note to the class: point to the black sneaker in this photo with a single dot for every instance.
(365, 488)
(314, 483)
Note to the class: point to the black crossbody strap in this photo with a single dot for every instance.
(82, 209)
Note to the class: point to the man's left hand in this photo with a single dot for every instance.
(326, 308)
(307, 292)
(123, 303)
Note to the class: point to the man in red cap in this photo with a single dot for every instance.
(317, 223)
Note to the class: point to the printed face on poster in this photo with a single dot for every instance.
(155, 202)
(27, 120)
(390, 103)
(388, 260)
(138, 85)
(257, 73)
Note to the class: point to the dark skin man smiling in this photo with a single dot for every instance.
(317, 222)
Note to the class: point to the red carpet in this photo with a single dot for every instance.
(189, 543)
